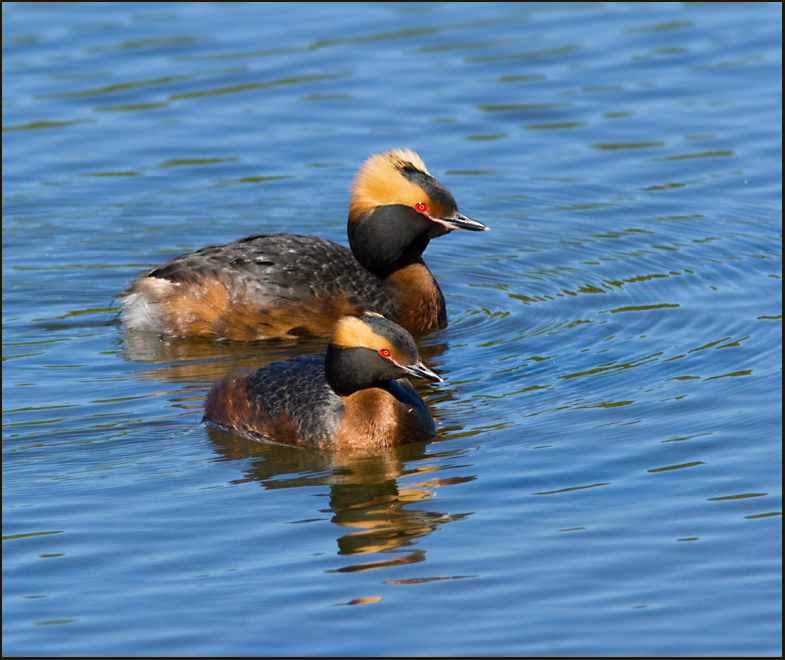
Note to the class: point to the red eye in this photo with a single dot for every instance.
(420, 207)
(385, 353)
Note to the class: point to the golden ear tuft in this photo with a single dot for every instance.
(351, 332)
(380, 182)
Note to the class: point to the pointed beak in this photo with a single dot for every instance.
(459, 221)
(421, 371)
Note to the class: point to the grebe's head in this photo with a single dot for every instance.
(370, 351)
(400, 178)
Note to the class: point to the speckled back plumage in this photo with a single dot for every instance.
(287, 401)
(262, 286)
(297, 388)
(274, 267)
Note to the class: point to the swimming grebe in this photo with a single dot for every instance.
(280, 285)
(355, 396)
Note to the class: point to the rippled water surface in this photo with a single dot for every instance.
(607, 474)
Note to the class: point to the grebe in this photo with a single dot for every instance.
(279, 285)
(354, 396)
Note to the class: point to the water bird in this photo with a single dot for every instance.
(353, 397)
(286, 285)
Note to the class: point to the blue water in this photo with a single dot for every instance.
(607, 475)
